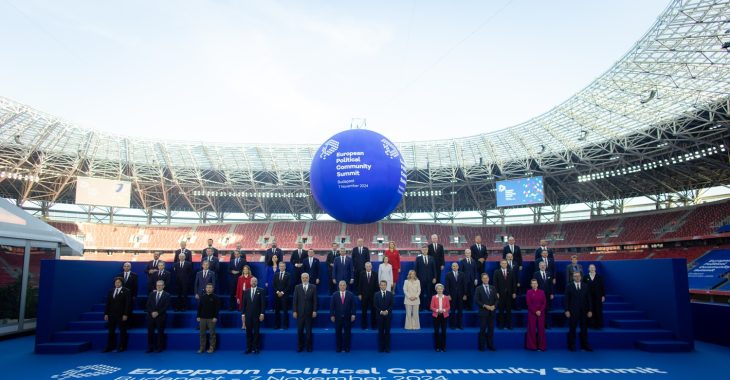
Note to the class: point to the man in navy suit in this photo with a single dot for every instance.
(479, 250)
(311, 267)
(366, 293)
(572, 268)
(151, 271)
(455, 290)
(342, 313)
(360, 256)
(297, 258)
(506, 286)
(545, 283)
(331, 256)
(129, 281)
(282, 290)
(188, 253)
(513, 266)
(304, 311)
(183, 276)
(469, 267)
(543, 247)
(235, 269)
(252, 314)
(162, 273)
(577, 310)
(156, 308)
(116, 313)
(384, 311)
(549, 263)
(426, 272)
(343, 269)
(209, 251)
(486, 300)
(204, 277)
(436, 251)
(274, 250)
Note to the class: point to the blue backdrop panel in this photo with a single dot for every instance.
(710, 322)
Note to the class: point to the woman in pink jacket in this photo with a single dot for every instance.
(535, 317)
(440, 307)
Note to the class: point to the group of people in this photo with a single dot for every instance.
(466, 285)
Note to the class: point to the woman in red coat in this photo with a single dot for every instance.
(394, 260)
(440, 307)
(535, 317)
(244, 282)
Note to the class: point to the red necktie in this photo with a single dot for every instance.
(342, 295)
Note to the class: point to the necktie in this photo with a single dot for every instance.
(368, 276)
(361, 250)
(236, 264)
(479, 248)
(205, 273)
(300, 253)
(434, 248)
(486, 290)
(343, 260)
(281, 277)
(126, 277)
(577, 285)
(310, 262)
(181, 264)
(305, 288)
(382, 294)
(468, 261)
(456, 276)
(253, 293)
(543, 276)
(426, 259)
(158, 296)
(116, 291)
(504, 273)
(342, 296)
(510, 264)
(161, 272)
(155, 264)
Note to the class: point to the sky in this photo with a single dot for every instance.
(288, 72)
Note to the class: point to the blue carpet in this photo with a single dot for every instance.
(19, 362)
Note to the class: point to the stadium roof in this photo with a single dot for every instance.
(667, 96)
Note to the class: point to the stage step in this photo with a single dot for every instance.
(62, 347)
(633, 324)
(665, 346)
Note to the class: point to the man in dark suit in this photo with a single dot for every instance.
(426, 272)
(469, 267)
(436, 251)
(129, 281)
(282, 290)
(213, 261)
(209, 251)
(384, 309)
(203, 277)
(577, 310)
(545, 283)
(157, 303)
(274, 250)
(479, 250)
(297, 258)
(162, 274)
(311, 267)
(597, 293)
(455, 290)
(366, 293)
(360, 256)
(514, 267)
(305, 310)
(506, 286)
(183, 277)
(235, 269)
(549, 263)
(151, 271)
(572, 268)
(342, 313)
(252, 314)
(486, 299)
(343, 269)
(116, 313)
(543, 247)
(515, 263)
(331, 256)
(188, 253)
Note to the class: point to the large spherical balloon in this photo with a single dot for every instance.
(358, 176)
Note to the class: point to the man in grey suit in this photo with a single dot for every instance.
(304, 311)
(486, 300)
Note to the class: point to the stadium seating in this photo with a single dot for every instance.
(702, 221)
(286, 233)
(400, 233)
(324, 233)
(365, 231)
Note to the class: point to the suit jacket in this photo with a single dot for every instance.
(282, 285)
(550, 265)
(119, 305)
(312, 270)
(516, 255)
(426, 273)
(201, 282)
(185, 273)
(241, 263)
(131, 282)
(213, 263)
(305, 302)
(546, 285)
(296, 258)
(384, 303)
(152, 264)
(359, 260)
(437, 254)
(577, 302)
(188, 254)
(477, 254)
(331, 256)
(343, 271)
(339, 309)
(538, 253)
(204, 253)
(504, 285)
(569, 270)
(455, 285)
(270, 253)
(252, 309)
(481, 298)
(471, 272)
(161, 306)
(595, 286)
(164, 276)
(366, 288)
(445, 304)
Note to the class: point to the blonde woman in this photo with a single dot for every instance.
(385, 273)
(412, 292)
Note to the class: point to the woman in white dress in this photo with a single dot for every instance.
(385, 273)
(412, 292)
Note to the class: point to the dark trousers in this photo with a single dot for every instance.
(232, 284)
(343, 333)
(281, 306)
(253, 328)
(182, 285)
(439, 332)
(518, 290)
(597, 319)
(304, 332)
(469, 302)
(548, 307)
(457, 308)
(367, 307)
(426, 294)
(504, 310)
(112, 324)
(156, 341)
(573, 322)
(486, 329)
(383, 332)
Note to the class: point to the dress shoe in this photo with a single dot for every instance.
(300, 349)
(443, 350)
(256, 351)
(387, 350)
(492, 349)
(481, 349)
(347, 350)
(248, 352)
(120, 349)
(588, 348)
(106, 350)
(571, 348)
(438, 349)
(309, 350)
(211, 350)
(338, 351)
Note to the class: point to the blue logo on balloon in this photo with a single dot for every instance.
(358, 176)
